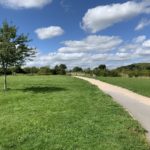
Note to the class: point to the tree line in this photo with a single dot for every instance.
(133, 70)
(45, 70)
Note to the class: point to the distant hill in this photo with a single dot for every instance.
(138, 66)
(139, 69)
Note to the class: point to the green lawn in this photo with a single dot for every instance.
(138, 85)
(64, 113)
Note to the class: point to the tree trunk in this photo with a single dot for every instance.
(4, 67)
(5, 82)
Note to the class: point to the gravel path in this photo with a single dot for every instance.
(137, 105)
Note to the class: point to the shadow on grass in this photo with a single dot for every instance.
(40, 89)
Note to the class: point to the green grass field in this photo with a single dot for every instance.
(138, 85)
(64, 113)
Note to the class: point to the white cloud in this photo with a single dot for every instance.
(146, 43)
(84, 60)
(143, 23)
(137, 50)
(98, 57)
(49, 32)
(118, 56)
(16, 4)
(56, 58)
(65, 56)
(91, 43)
(139, 39)
(138, 47)
(102, 17)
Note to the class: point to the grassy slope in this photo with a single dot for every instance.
(47, 112)
(138, 85)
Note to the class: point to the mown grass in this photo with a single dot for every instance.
(64, 113)
(138, 85)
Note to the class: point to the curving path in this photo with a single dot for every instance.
(137, 105)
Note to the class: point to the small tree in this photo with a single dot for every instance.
(60, 70)
(102, 67)
(77, 69)
(44, 71)
(31, 70)
(13, 49)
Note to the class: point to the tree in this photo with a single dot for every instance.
(27, 70)
(31, 70)
(63, 66)
(88, 71)
(34, 70)
(13, 48)
(77, 69)
(44, 71)
(101, 70)
(17, 69)
(102, 67)
(61, 69)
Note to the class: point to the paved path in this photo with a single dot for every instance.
(137, 105)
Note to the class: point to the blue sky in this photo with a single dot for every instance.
(83, 33)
